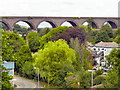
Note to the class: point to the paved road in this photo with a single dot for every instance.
(25, 83)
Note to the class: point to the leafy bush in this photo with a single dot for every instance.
(99, 79)
(82, 76)
(98, 72)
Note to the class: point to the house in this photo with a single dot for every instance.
(100, 50)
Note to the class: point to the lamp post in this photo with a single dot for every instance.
(13, 81)
(38, 76)
(91, 77)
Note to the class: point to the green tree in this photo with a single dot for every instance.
(113, 77)
(44, 31)
(83, 57)
(92, 35)
(11, 44)
(28, 70)
(3, 26)
(20, 29)
(22, 56)
(17, 28)
(51, 34)
(117, 32)
(15, 41)
(6, 84)
(101, 36)
(7, 50)
(117, 39)
(54, 61)
(89, 25)
(99, 79)
(33, 41)
(82, 76)
(108, 29)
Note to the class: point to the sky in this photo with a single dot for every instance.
(69, 8)
(62, 8)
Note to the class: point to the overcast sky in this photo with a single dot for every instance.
(72, 8)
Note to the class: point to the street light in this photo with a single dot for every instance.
(91, 77)
(38, 75)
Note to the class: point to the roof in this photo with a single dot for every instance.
(107, 44)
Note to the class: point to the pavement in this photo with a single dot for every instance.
(21, 82)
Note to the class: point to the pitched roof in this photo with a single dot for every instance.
(107, 44)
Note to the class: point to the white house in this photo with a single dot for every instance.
(101, 49)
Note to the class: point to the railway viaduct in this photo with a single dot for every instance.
(34, 21)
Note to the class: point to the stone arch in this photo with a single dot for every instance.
(48, 21)
(6, 24)
(28, 22)
(73, 23)
(94, 24)
(112, 23)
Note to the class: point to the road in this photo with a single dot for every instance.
(25, 83)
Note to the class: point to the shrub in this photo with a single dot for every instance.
(99, 79)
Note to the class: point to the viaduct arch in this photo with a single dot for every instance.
(33, 22)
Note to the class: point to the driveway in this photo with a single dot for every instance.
(25, 83)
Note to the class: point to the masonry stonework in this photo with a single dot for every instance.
(33, 22)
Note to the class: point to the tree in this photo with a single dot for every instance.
(3, 26)
(54, 61)
(72, 32)
(92, 35)
(6, 84)
(102, 36)
(33, 41)
(11, 44)
(44, 31)
(83, 57)
(15, 41)
(22, 56)
(117, 32)
(117, 39)
(20, 29)
(28, 70)
(17, 28)
(99, 79)
(82, 76)
(51, 34)
(7, 50)
(89, 25)
(108, 29)
(113, 78)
